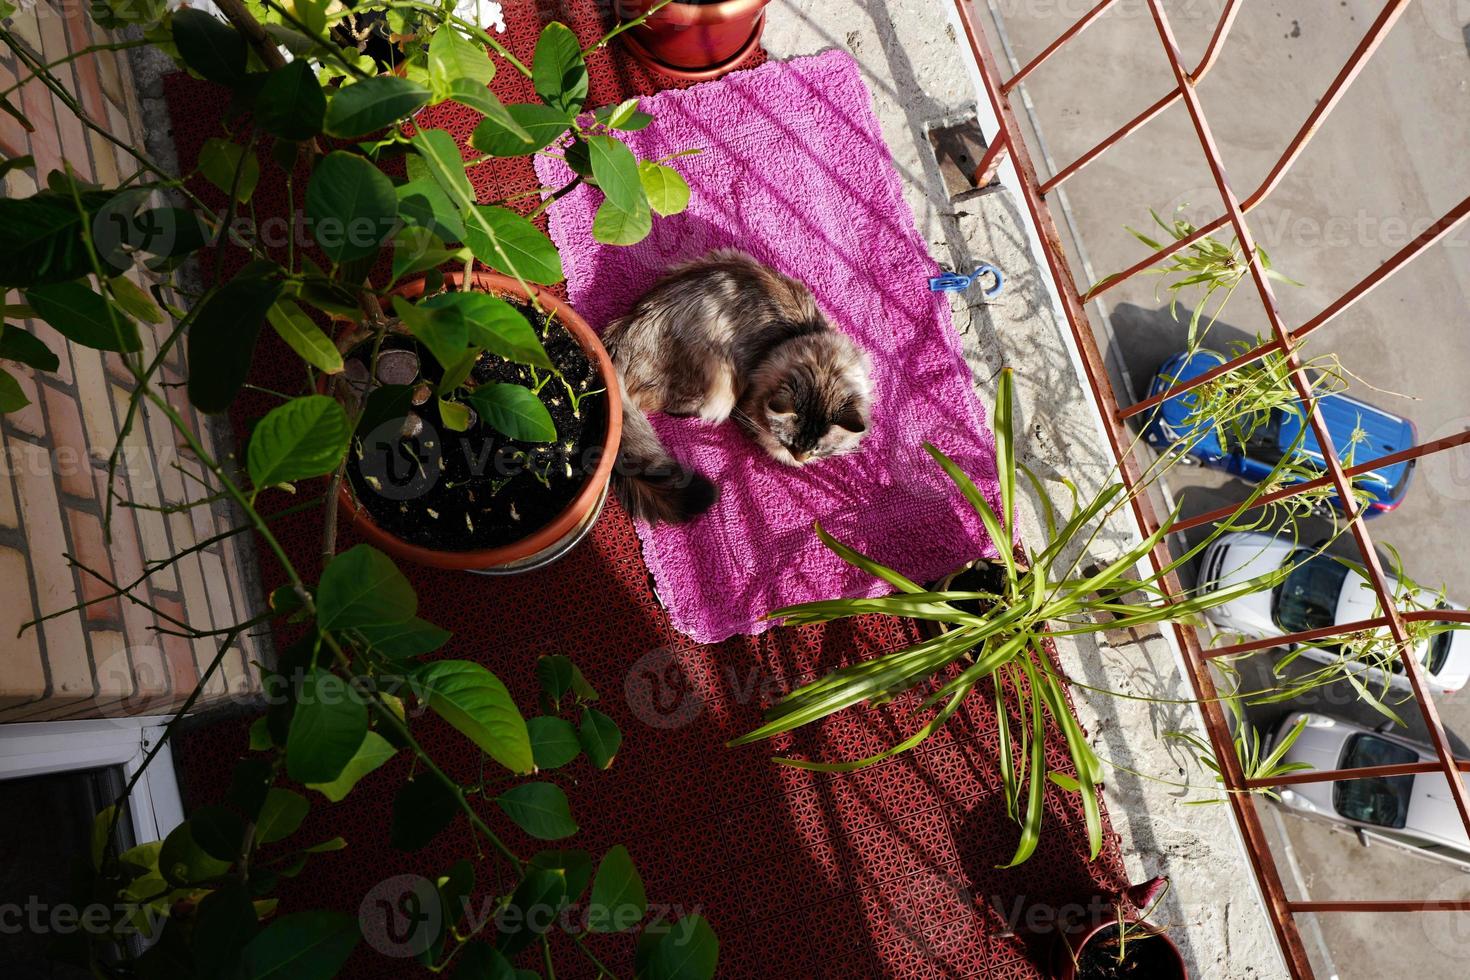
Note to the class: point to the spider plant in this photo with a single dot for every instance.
(1249, 745)
(987, 641)
(1212, 265)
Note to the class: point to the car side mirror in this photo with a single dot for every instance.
(1386, 727)
(1363, 837)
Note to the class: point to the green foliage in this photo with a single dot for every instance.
(353, 693)
(993, 639)
(1250, 753)
(618, 900)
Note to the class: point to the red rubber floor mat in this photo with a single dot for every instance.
(889, 872)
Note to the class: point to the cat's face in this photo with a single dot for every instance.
(818, 405)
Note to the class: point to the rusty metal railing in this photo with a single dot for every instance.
(1283, 342)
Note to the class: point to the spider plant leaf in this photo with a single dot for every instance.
(836, 692)
(1004, 749)
(1085, 760)
(1373, 701)
(1036, 788)
(977, 500)
(921, 605)
(1048, 509)
(982, 667)
(1005, 453)
(1270, 763)
(1077, 522)
(1156, 246)
(1064, 781)
(858, 560)
(928, 729)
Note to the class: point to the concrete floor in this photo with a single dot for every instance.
(915, 70)
(1393, 157)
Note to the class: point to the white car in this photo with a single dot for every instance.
(1320, 591)
(1416, 810)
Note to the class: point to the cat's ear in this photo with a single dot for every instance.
(851, 419)
(781, 402)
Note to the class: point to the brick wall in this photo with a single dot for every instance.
(110, 658)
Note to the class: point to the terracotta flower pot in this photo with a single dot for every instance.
(693, 41)
(561, 534)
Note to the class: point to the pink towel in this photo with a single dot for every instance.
(794, 171)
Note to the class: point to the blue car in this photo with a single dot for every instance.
(1386, 434)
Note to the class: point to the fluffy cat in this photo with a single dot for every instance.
(726, 337)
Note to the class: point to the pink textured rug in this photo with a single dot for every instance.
(794, 171)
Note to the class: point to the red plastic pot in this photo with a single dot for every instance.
(693, 41)
(555, 539)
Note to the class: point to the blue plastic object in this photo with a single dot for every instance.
(958, 282)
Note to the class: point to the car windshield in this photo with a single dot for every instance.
(1307, 598)
(1382, 801)
(1264, 443)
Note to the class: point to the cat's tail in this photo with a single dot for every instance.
(650, 483)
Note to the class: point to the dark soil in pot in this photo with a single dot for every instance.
(1145, 957)
(463, 491)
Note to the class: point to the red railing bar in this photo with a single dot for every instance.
(1179, 388)
(1257, 847)
(1358, 469)
(1413, 670)
(1436, 615)
(1087, 21)
(1287, 639)
(985, 172)
(1412, 905)
(1376, 33)
(1366, 772)
(1212, 53)
(1103, 285)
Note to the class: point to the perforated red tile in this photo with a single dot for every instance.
(883, 873)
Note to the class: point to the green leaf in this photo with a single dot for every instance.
(554, 671)
(553, 741)
(209, 46)
(526, 250)
(618, 900)
(686, 950)
(167, 232)
(418, 250)
(372, 753)
(453, 57)
(614, 226)
(532, 127)
(442, 158)
(43, 236)
(574, 865)
(422, 809)
(224, 923)
(481, 961)
(222, 340)
(362, 587)
(616, 170)
(476, 703)
(351, 205)
(400, 641)
(220, 159)
(219, 832)
(540, 809)
(496, 325)
(368, 105)
(482, 100)
(183, 862)
(302, 335)
(260, 730)
(600, 737)
(327, 728)
(558, 71)
(513, 411)
(302, 946)
(129, 297)
(439, 329)
(423, 204)
(12, 397)
(532, 910)
(290, 104)
(667, 191)
(280, 815)
(82, 315)
(624, 115)
(17, 344)
(301, 438)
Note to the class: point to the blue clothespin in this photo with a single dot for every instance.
(958, 282)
